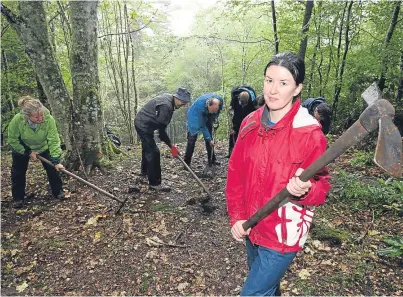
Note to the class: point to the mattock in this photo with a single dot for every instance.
(122, 202)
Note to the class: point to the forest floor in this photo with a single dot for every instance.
(166, 244)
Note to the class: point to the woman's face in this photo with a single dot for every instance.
(36, 117)
(279, 88)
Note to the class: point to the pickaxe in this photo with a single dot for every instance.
(388, 153)
(122, 202)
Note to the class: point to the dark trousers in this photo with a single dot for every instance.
(192, 143)
(18, 175)
(232, 140)
(150, 158)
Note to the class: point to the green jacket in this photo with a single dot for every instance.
(24, 140)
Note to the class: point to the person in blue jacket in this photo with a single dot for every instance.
(201, 116)
(318, 108)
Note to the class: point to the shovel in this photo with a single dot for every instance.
(122, 202)
(209, 170)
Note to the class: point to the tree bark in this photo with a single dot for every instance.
(87, 111)
(339, 82)
(400, 88)
(305, 28)
(317, 48)
(274, 19)
(32, 29)
(388, 37)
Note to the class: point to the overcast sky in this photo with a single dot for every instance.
(183, 12)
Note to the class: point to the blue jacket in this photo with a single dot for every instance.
(198, 115)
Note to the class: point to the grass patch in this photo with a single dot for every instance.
(376, 194)
(332, 235)
(362, 159)
(163, 207)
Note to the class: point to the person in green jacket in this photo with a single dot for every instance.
(33, 132)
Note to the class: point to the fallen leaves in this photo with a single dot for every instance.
(21, 288)
(304, 274)
(93, 220)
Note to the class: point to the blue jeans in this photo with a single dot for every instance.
(266, 268)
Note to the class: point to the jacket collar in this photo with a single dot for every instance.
(285, 121)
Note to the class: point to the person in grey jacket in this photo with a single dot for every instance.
(156, 115)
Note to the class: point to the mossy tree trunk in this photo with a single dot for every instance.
(87, 110)
(32, 29)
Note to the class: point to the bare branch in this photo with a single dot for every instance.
(264, 40)
(130, 32)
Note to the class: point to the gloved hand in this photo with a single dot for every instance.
(174, 151)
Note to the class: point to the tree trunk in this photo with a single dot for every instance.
(400, 88)
(305, 29)
(32, 29)
(87, 111)
(273, 16)
(317, 48)
(339, 82)
(128, 97)
(42, 96)
(388, 37)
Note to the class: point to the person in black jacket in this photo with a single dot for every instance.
(318, 108)
(156, 115)
(243, 102)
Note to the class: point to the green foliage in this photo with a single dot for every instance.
(362, 159)
(377, 194)
(336, 236)
(394, 249)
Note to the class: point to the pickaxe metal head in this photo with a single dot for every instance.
(372, 94)
(380, 113)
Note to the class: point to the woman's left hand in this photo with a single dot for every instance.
(59, 166)
(297, 187)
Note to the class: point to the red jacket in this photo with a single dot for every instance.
(262, 162)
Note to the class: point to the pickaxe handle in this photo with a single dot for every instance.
(195, 176)
(352, 136)
(84, 181)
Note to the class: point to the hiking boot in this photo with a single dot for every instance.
(160, 188)
(17, 204)
(60, 196)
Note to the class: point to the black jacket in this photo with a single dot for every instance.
(241, 112)
(156, 115)
(311, 104)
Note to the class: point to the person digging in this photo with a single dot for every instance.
(156, 115)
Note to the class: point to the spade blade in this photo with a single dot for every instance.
(388, 153)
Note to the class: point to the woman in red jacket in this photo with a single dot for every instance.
(275, 144)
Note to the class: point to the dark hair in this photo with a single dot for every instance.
(292, 62)
(324, 110)
(325, 114)
(260, 100)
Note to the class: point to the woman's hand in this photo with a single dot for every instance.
(32, 155)
(297, 187)
(59, 166)
(238, 232)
